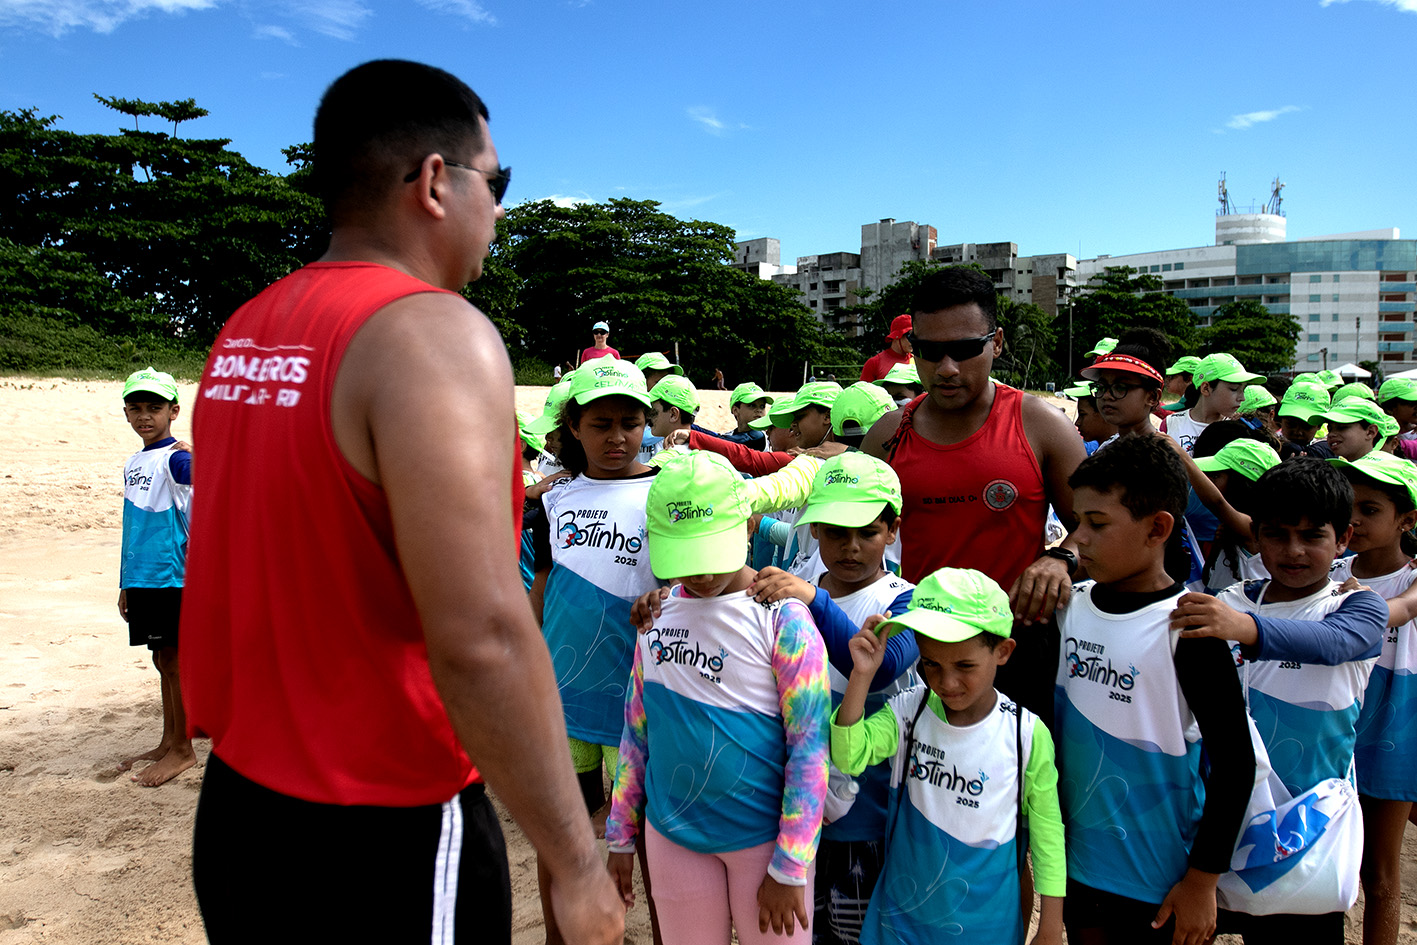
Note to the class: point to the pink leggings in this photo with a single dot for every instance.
(700, 895)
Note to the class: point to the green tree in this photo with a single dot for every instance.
(1122, 298)
(1263, 341)
(1030, 338)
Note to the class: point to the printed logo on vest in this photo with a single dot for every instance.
(671, 645)
(1086, 660)
(1000, 494)
(595, 534)
(936, 772)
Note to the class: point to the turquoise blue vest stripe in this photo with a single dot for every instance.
(1305, 746)
(730, 800)
(592, 650)
(1386, 752)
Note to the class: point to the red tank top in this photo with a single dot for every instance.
(302, 655)
(978, 503)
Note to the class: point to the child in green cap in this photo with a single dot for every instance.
(591, 563)
(968, 769)
(723, 758)
(157, 492)
(853, 514)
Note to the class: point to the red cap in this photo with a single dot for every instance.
(1122, 362)
(900, 327)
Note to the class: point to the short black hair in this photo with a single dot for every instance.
(1144, 469)
(1149, 345)
(1221, 433)
(380, 119)
(1299, 488)
(949, 286)
(1278, 386)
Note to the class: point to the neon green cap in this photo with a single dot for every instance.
(535, 440)
(1186, 365)
(1398, 388)
(1356, 389)
(1249, 458)
(1304, 401)
(694, 516)
(817, 393)
(656, 361)
(676, 391)
(608, 377)
(903, 373)
(1222, 367)
(1308, 377)
(955, 604)
(762, 423)
(1384, 467)
(1079, 390)
(850, 490)
(1355, 409)
(859, 406)
(1255, 398)
(1104, 346)
(1331, 379)
(153, 381)
(748, 393)
(550, 417)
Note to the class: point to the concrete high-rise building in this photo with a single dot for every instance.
(887, 245)
(828, 282)
(760, 257)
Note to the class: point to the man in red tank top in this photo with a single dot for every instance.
(979, 464)
(359, 637)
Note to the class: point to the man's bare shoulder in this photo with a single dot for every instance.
(435, 331)
(1048, 427)
(881, 431)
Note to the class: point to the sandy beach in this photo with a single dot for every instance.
(86, 855)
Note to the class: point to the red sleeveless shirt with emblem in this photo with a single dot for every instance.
(302, 654)
(978, 503)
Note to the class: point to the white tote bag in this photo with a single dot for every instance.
(1296, 855)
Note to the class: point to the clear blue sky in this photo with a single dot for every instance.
(1064, 127)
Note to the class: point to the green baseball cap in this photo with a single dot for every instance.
(1222, 367)
(748, 393)
(676, 391)
(1186, 365)
(1331, 379)
(535, 440)
(850, 490)
(1249, 458)
(694, 517)
(817, 393)
(608, 377)
(1255, 398)
(1080, 390)
(1304, 401)
(1398, 388)
(903, 373)
(550, 417)
(1384, 467)
(1356, 409)
(656, 361)
(1104, 346)
(153, 381)
(859, 406)
(1308, 377)
(1356, 389)
(952, 605)
(762, 423)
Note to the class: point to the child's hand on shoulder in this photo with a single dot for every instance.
(622, 873)
(1200, 615)
(868, 649)
(537, 489)
(779, 905)
(644, 610)
(775, 584)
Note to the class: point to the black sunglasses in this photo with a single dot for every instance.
(961, 350)
(497, 181)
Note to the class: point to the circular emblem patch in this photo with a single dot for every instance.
(1000, 494)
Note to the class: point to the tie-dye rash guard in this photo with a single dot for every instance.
(741, 694)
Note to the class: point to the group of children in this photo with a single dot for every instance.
(803, 745)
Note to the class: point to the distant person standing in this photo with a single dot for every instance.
(718, 379)
(600, 347)
(358, 638)
(897, 352)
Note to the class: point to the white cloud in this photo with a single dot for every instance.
(1241, 122)
(1406, 6)
(271, 31)
(708, 117)
(337, 19)
(565, 201)
(685, 203)
(469, 10)
(57, 17)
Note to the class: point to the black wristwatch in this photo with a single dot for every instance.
(1065, 556)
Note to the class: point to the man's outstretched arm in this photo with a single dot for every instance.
(428, 381)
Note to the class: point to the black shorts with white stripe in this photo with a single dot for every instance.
(269, 867)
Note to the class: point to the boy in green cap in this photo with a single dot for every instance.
(723, 756)
(1258, 410)
(1300, 413)
(675, 404)
(1178, 378)
(747, 403)
(853, 515)
(157, 492)
(1220, 379)
(902, 383)
(1356, 427)
(968, 769)
(655, 367)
